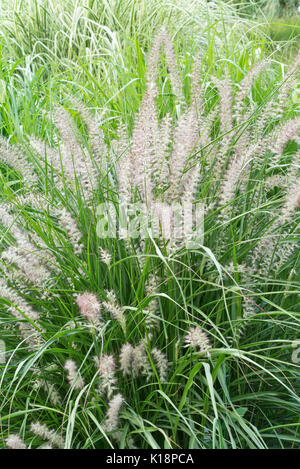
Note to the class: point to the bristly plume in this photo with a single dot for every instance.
(69, 225)
(225, 92)
(27, 318)
(288, 131)
(140, 363)
(105, 256)
(43, 432)
(98, 145)
(171, 58)
(153, 307)
(185, 139)
(70, 159)
(113, 307)
(74, 377)
(162, 364)
(13, 156)
(289, 83)
(197, 89)
(197, 338)
(23, 254)
(15, 442)
(244, 88)
(112, 416)
(125, 169)
(126, 359)
(107, 374)
(49, 388)
(89, 306)
(292, 202)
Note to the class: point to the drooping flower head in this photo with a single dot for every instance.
(196, 338)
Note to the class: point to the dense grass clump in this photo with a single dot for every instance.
(138, 335)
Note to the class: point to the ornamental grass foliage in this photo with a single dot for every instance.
(148, 341)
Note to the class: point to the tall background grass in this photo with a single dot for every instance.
(246, 395)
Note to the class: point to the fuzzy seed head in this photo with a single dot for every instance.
(89, 306)
(15, 442)
(106, 365)
(74, 378)
(112, 416)
(126, 358)
(196, 338)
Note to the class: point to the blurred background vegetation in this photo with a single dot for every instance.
(281, 18)
(95, 50)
